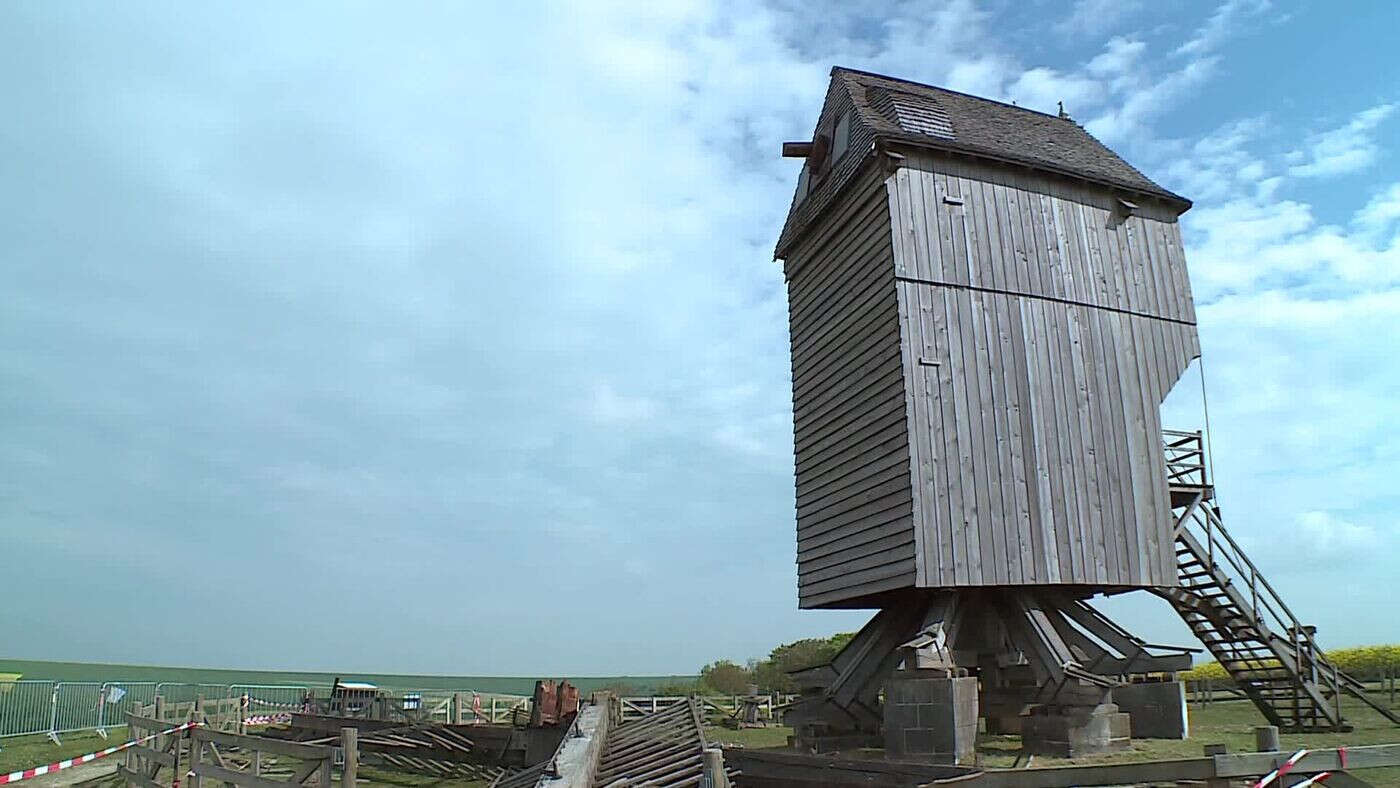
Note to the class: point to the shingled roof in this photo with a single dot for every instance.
(896, 110)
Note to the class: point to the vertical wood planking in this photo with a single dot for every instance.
(1031, 450)
(905, 243)
(933, 340)
(954, 538)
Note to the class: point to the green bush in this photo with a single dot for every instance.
(771, 674)
(681, 688)
(723, 677)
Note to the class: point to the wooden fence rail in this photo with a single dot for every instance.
(637, 706)
(199, 753)
(224, 714)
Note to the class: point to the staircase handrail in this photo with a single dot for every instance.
(1283, 620)
(1239, 560)
(1180, 447)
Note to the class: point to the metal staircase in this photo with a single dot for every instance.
(1238, 615)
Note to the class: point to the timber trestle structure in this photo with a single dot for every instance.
(200, 753)
(427, 748)
(664, 748)
(1241, 619)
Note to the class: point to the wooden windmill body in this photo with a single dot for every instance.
(987, 308)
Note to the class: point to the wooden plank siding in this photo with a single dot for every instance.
(1041, 327)
(979, 354)
(855, 535)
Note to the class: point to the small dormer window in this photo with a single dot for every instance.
(841, 137)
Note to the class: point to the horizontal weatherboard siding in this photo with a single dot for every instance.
(855, 535)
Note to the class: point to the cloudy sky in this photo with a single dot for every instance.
(446, 338)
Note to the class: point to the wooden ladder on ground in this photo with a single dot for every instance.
(1238, 615)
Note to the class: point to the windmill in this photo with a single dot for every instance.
(987, 308)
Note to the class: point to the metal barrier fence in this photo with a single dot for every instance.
(266, 698)
(181, 692)
(30, 707)
(120, 697)
(26, 707)
(77, 705)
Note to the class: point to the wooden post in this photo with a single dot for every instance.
(1266, 738)
(196, 755)
(159, 715)
(1211, 750)
(713, 775)
(323, 774)
(132, 734)
(350, 745)
(458, 700)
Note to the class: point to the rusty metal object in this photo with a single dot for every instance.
(544, 707)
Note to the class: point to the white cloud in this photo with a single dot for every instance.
(1093, 17)
(1381, 212)
(1146, 97)
(1325, 534)
(1249, 242)
(1120, 55)
(1045, 87)
(1225, 23)
(610, 407)
(1343, 150)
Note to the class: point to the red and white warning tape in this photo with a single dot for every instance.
(1282, 770)
(270, 704)
(1316, 779)
(14, 777)
(280, 718)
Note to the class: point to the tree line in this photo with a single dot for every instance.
(726, 677)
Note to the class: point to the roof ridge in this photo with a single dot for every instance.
(936, 88)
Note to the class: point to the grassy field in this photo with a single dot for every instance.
(510, 685)
(23, 752)
(1230, 723)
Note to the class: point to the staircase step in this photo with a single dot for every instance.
(1218, 609)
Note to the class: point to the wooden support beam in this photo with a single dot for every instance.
(232, 777)
(797, 150)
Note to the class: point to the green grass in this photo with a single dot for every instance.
(24, 752)
(507, 685)
(410, 780)
(1230, 723)
(753, 738)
